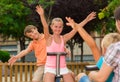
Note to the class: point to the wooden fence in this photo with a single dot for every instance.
(22, 72)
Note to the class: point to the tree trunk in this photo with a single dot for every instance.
(71, 49)
(71, 44)
(22, 47)
(81, 51)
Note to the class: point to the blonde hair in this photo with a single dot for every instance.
(56, 20)
(109, 39)
(28, 29)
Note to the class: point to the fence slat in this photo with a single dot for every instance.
(16, 73)
(0, 72)
(26, 73)
(31, 71)
(22, 72)
(11, 73)
(6, 73)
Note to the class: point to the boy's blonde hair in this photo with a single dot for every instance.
(56, 20)
(28, 29)
(109, 39)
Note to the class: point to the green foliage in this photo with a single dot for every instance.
(45, 4)
(106, 17)
(101, 15)
(108, 11)
(15, 15)
(13, 18)
(4, 56)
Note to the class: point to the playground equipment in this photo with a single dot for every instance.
(57, 54)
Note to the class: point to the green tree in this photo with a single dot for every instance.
(107, 22)
(15, 15)
(13, 19)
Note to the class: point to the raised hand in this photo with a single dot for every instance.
(39, 10)
(91, 16)
(70, 22)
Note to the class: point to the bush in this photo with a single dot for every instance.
(4, 56)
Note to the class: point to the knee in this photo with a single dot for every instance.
(49, 75)
(80, 75)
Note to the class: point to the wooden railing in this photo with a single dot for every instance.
(22, 72)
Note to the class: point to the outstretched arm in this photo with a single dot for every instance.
(40, 11)
(87, 38)
(13, 59)
(69, 35)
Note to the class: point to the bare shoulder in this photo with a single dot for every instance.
(49, 40)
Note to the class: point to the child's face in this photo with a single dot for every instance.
(118, 25)
(57, 27)
(33, 34)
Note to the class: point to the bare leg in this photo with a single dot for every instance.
(35, 81)
(68, 78)
(38, 75)
(78, 77)
(49, 77)
(73, 75)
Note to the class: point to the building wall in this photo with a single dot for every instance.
(86, 49)
(14, 47)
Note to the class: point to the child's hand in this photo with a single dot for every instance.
(70, 22)
(39, 10)
(12, 60)
(91, 16)
(68, 52)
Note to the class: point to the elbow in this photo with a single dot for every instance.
(97, 77)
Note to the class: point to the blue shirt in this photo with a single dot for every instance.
(99, 64)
